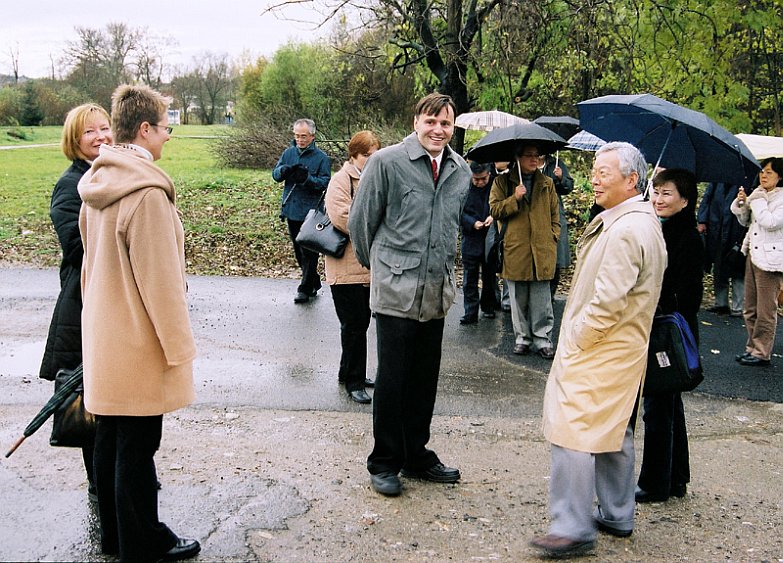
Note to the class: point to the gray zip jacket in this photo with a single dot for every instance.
(404, 229)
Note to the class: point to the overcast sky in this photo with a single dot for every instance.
(40, 28)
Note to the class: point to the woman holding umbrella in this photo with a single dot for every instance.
(86, 128)
(762, 212)
(665, 468)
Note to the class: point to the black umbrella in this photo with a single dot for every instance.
(563, 125)
(671, 136)
(68, 386)
(501, 145)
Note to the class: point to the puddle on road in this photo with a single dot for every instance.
(21, 359)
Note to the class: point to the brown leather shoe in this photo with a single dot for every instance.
(547, 353)
(556, 546)
(521, 349)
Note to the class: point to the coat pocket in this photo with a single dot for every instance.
(395, 279)
(773, 253)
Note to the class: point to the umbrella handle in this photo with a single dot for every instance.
(16, 445)
(657, 164)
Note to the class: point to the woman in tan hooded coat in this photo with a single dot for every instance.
(138, 347)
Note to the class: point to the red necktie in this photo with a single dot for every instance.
(434, 170)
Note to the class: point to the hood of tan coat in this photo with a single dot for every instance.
(129, 171)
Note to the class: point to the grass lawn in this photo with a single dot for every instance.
(230, 215)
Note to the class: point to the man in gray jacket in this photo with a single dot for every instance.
(404, 223)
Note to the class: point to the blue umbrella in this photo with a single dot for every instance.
(671, 136)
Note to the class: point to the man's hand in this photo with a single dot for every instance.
(488, 221)
(285, 170)
(520, 191)
(702, 228)
(299, 173)
(478, 225)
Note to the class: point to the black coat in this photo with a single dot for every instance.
(682, 286)
(723, 230)
(476, 209)
(64, 344)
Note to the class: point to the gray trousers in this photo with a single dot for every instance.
(576, 479)
(531, 313)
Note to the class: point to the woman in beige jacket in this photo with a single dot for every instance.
(349, 281)
(138, 347)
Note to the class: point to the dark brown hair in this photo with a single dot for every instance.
(133, 105)
(684, 182)
(432, 104)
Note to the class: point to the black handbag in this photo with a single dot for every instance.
(317, 233)
(673, 363)
(73, 426)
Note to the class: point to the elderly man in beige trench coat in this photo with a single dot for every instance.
(599, 367)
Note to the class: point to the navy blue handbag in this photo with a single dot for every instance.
(673, 362)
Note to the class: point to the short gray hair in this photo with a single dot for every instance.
(309, 122)
(630, 159)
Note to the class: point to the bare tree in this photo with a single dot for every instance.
(215, 79)
(14, 54)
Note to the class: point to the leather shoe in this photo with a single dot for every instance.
(183, 549)
(521, 349)
(468, 320)
(753, 361)
(612, 531)
(386, 483)
(719, 310)
(678, 490)
(301, 297)
(505, 308)
(360, 396)
(489, 314)
(738, 357)
(645, 496)
(438, 473)
(556, 546)
(547, 353)
(369, 382)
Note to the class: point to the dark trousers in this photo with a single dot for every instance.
(352, 304)
(665, 457)
(126, 480)
(307, 260)
(470, 288)
(405, 388)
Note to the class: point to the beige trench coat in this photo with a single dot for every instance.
(136, 336)
(601, 355)
(339, 197)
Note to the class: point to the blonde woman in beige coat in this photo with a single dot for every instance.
(138, 347)
(349, 280)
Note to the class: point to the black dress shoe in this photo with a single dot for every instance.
(184, 549)
(678, 490)
(612, 531)
(557, 546)
(739, 357)
(301, 297)
(438, 473)
(360, 396)
(719, 310)
(369, 382)
(753, 361)
(468, 320)
(312, 292)
(645, 496)
(547, 352)
(489, 314)
(386, 483)
(521, 349)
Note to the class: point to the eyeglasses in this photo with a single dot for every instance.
(531, 155)
(168, 128)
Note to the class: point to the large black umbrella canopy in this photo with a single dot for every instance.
(501, 145)
(670, 136)
(64, 391)
(564, 125)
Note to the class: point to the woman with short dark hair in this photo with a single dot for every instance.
(665, 468)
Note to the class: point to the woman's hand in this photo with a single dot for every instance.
(741, 197)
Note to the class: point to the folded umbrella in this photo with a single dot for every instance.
(502, 144)
(65, 390)
(670, 136)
